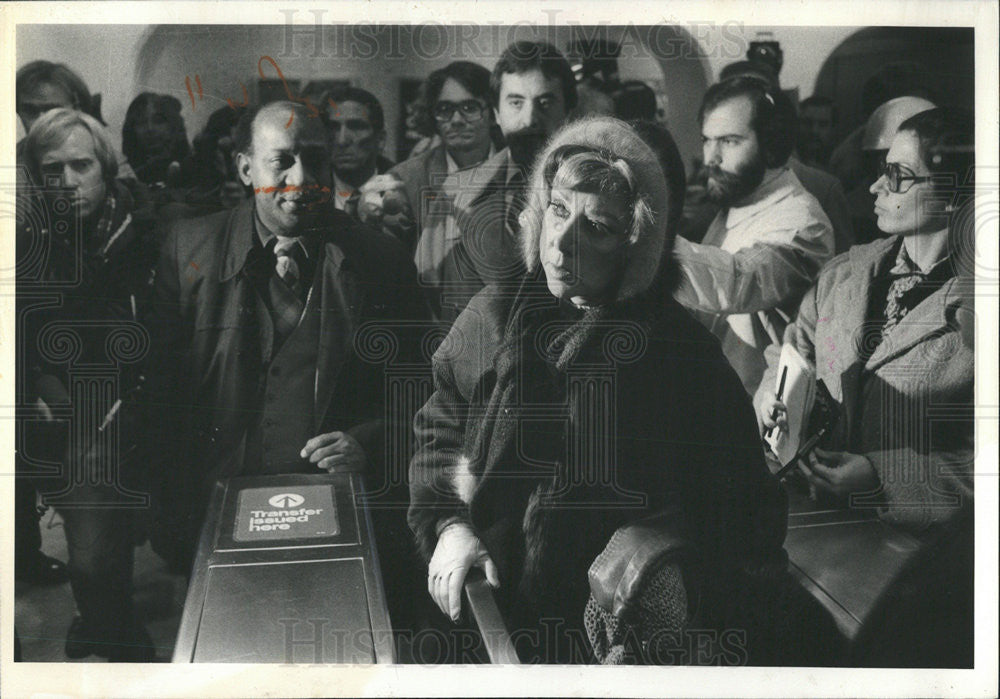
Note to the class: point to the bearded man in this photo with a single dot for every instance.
(768, 242)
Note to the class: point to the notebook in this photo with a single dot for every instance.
(798, 395)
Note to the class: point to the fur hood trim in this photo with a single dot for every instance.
(645, 252)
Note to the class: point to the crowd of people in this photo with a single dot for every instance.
(611, 326)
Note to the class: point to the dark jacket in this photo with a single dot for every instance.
(81, 300)
(208, 361)
(551, 426)
(488, 251)
(683, 441)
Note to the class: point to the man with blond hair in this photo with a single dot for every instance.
(92, 282)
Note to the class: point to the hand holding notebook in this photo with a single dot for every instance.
(796, 389)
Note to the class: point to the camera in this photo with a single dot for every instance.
(766, 51)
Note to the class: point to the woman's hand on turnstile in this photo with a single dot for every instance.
(335, 452)
(458, 550)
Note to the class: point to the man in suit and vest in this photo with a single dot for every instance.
(255, 318)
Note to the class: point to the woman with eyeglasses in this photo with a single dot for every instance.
(889, 329)
(411, 201)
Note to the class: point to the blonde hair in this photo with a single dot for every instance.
(53, 128)
(611, 154)
(584, 169)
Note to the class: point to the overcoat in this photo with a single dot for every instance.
(210, 351)
(905, 402)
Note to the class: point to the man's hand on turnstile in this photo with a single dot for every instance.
(458, 550)
(335, 452)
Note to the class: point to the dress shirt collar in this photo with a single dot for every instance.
(342, 191)
(453, 167)
(265, 236)
(905, 266)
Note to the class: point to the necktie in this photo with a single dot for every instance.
(288, 254)
(351, 204)
(286, 287)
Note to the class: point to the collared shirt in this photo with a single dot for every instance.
(452, 167)
(265, 236)
(341, 192)
(902, 287)
(904, 266)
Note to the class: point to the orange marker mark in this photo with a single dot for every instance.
(246, 99)
(187, 83)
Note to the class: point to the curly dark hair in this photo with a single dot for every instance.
(773, 121)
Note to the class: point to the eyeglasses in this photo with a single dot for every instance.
(895, 175)
(471, 110)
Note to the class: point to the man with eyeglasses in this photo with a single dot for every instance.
(409, 201)
(532, 90)
(768, 242)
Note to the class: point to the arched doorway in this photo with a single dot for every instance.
(944, 57)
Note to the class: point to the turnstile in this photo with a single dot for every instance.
(847, 559)
(286, 572)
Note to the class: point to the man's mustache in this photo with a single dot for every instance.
(725, 178)
(306, 190)
(312, 195)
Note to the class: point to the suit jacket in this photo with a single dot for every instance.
(488, 250)
(419, 174)
(830, 195)
(909, 406)
(209, 355)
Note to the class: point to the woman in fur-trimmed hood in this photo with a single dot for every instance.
(581, 401)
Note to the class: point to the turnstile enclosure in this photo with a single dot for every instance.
(286, 572)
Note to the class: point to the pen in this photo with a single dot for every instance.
(803, 450)
(778, 395)
(111, 415)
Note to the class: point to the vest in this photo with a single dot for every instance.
(286, 395)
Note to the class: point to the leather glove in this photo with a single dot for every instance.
(458, 550)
